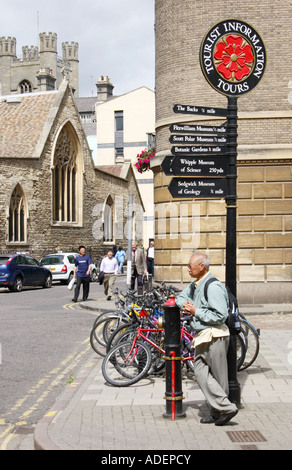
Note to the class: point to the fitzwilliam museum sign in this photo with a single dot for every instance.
(233, 57)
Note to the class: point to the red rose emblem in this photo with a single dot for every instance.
(233, 57)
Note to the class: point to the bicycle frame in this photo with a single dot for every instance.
(145, 338)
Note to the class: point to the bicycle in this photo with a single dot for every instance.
(108, 322)
(130, 360)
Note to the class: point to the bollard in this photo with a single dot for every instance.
(172, 343)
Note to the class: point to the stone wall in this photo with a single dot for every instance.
(35, 178)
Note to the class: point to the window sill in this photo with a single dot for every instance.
(17, 243)
(66, 224)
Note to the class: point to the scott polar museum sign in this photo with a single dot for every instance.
(233, 57)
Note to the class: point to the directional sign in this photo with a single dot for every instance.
(198, 166)
(199, 150)
(198, 129)
(197, 139)
(166, 165)
(199, 110)
(198, 188)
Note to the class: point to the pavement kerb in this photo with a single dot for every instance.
(42, 440)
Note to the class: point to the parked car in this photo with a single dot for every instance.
(20, 269)
(62, 266)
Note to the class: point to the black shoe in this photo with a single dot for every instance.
(225, 418)
(84, 300)
(209, 419)
(74, 300)
(108, 298)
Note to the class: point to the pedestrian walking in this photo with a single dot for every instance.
(150, 258)
(83, 264)
(120, 257)
(109, 266)
(211, 339)
(138, 267)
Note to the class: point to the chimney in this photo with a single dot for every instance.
(104, 88)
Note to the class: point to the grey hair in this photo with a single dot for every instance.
(203, 257)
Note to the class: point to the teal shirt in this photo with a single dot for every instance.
(209, 313)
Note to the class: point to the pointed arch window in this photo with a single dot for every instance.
(25, 87)
(65, 179)
(17, 216)
(108, 220)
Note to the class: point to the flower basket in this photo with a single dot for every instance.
(143, 159)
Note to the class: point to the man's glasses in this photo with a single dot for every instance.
(193, 265)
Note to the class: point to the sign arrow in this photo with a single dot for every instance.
(198, 166)
(200, 150)
(192, 188)
(199, 110)
(198, 129)
(197, 139)
(166, 165)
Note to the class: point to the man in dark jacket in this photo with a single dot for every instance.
(138, 265)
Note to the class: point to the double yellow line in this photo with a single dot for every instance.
(56, 376)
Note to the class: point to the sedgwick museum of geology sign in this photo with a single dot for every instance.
(233, 57)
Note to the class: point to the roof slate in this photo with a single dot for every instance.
(21, 123)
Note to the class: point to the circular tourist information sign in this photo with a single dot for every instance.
(233, 57)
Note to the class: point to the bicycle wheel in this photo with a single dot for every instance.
(240, 351)
(157, 353)
(125, 365)
(103, 315)
(251, 342)
(124, 332)
(111, 326)
(97, 340)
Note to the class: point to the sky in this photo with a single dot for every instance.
(115, 37)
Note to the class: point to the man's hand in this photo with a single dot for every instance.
(189, 308)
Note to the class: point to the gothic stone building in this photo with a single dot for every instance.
(264, 181)
(40, 68)
(52, 196)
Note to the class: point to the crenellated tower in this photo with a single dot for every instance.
(70, 57)
(40, 68)
(7, 47)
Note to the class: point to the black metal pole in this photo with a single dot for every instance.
(231, 206)
(173, 380)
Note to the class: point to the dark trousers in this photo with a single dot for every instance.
(139, 279)
(150, 266)
(85, 282)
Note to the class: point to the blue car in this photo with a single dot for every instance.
(18, 270)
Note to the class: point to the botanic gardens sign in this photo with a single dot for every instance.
(233, 57)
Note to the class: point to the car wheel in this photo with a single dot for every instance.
(48, 281)
(17, 285)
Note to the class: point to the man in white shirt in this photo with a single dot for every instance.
(150, 258)
(109, 266)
